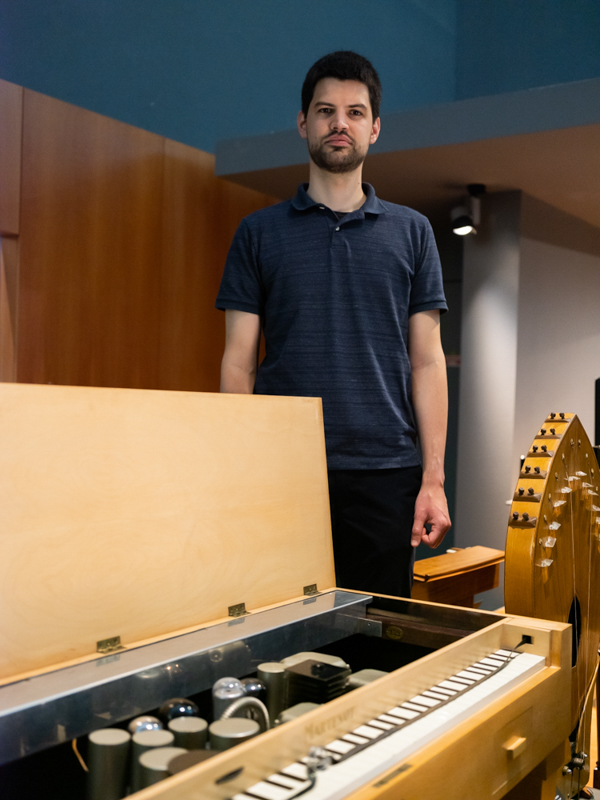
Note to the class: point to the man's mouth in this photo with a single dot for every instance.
(338, 140)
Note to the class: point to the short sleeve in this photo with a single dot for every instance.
(241, 285)
(427, 290)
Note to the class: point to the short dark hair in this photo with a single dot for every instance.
(345, 66)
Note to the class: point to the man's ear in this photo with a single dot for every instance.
(301, 123)
(375, 131)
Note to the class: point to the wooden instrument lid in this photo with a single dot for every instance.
(456, 562)
(139, 513)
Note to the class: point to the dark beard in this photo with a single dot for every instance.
(333, 162)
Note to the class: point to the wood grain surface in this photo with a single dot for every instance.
(138, 513)
(123, 239)
(453, 563)
(11, 114)
(553, 561)
(9, 292)
(200, 216)
(90, 248)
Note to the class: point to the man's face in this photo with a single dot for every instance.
(339, 126)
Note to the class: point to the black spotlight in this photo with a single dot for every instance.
(466, 217)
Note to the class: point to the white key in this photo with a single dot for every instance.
(393, 720)
(351, 737)
(296, 770)
(457, 687)
(404, 713)
(338, 746)
(490, 662)
(481, 670)
(414, 707)
(470, 673)
(437, 695)
(269, 792)
(364, 730)
(291, 783)
(377, 723)
(421, 700)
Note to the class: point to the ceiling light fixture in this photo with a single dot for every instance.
(466, 217)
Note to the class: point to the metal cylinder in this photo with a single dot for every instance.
(189, 732)
(145, 723)
(254, 688)
(142, 742)
(226, 733)
(224, 692)
(178, 707)
(154, 764)
(108, 752)
(275, 677)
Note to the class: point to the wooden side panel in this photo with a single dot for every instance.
(9, 278)
(553, 557)
(90, 248)
(124, 237)
(459, 589)
(139, 513)
(200, 215)
(11, 114)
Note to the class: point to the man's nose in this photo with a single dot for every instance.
(338, 122)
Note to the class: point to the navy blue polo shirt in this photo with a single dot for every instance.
(334, 297)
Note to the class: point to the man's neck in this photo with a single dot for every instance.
(338, 192)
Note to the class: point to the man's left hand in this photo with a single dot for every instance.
(431, 508)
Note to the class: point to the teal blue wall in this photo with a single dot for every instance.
(202, 70)
(508, 45)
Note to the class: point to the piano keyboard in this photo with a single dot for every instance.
(368, 750)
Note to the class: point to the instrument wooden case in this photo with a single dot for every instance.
(136, 517)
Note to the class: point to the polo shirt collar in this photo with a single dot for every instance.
(372, 204)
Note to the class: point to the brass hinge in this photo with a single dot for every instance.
(311, 589)
(237, 611)
(109, 645)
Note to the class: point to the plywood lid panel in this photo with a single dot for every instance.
(138, 513)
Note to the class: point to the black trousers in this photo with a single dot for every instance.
(371, 518)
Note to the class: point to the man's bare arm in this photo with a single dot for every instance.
(430, 401)
(238, 367)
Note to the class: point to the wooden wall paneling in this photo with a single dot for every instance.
(200, 215)
(9, 286)
(90, 248)
(11, 114)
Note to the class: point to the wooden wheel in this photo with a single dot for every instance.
(553, 548)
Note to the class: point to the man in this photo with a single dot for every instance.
(348, 292)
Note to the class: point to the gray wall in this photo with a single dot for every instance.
(530, 345)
